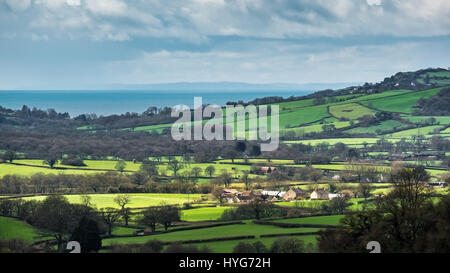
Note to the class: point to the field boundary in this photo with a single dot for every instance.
(292, 225)
(288, 234)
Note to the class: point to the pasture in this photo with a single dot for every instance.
(385, 125)
(244, 229)
(318, 220)
(12, 169)
(11, 228)
(228, 246)
(401, 103)
(316, 128)
(414, 132)
(202, 214)
(138, 200)
(350, 111)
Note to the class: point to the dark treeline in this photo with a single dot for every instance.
(111, 182)
(40, 143)
(436, 105)
(33, 117)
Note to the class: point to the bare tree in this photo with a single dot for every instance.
(110, 216)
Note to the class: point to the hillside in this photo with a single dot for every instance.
(389, 109)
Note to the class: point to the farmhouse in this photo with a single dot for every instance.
(437, 184)
(294, 193)
(319, 194)
(246, 196)
(273, 193)
(402, 157)
(229, 195)
(268, 169)
(331, 196)
(230, 191)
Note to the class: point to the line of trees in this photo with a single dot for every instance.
(406, 220)
(109, 182)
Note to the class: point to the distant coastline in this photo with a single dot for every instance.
(108, 102)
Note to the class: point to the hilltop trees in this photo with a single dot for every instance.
(434, 106)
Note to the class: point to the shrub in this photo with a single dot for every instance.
(78, 162)
(288, 245)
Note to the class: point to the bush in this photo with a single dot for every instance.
(15, 246)
(152, 246)
(256, 247)
(179, 248)
(78, 162)
(288, 245)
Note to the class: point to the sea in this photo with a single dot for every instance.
(105, 103)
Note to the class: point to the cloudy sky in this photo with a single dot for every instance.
(75, 43)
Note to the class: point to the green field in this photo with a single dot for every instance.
(385, 125)
(402, 103)
(247, 228)
(203, 214)
(414, 132)
(418, 119)
(228, 246)
(350, 111)
(316, 128)
(319, 220)
(35, 166)
(138, 200)
(91, 164)
(317, 203)
(446, 131)
(14, 229)
(29, 170)
(332, 141)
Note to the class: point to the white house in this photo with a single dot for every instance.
(334, 195)
(277, 194)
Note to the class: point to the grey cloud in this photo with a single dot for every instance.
(198, 19)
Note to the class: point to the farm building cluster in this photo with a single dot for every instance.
(235, 196)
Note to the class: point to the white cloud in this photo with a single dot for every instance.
(266, 62)
(195, 20)
(106, 7)
(73, 2)
(18, 5)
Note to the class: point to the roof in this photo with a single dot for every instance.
(273, 193)
(266, 169)
(230, 191)
(320, 191)
(298, 190)
(334, 195)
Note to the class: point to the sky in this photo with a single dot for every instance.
(72, 44)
